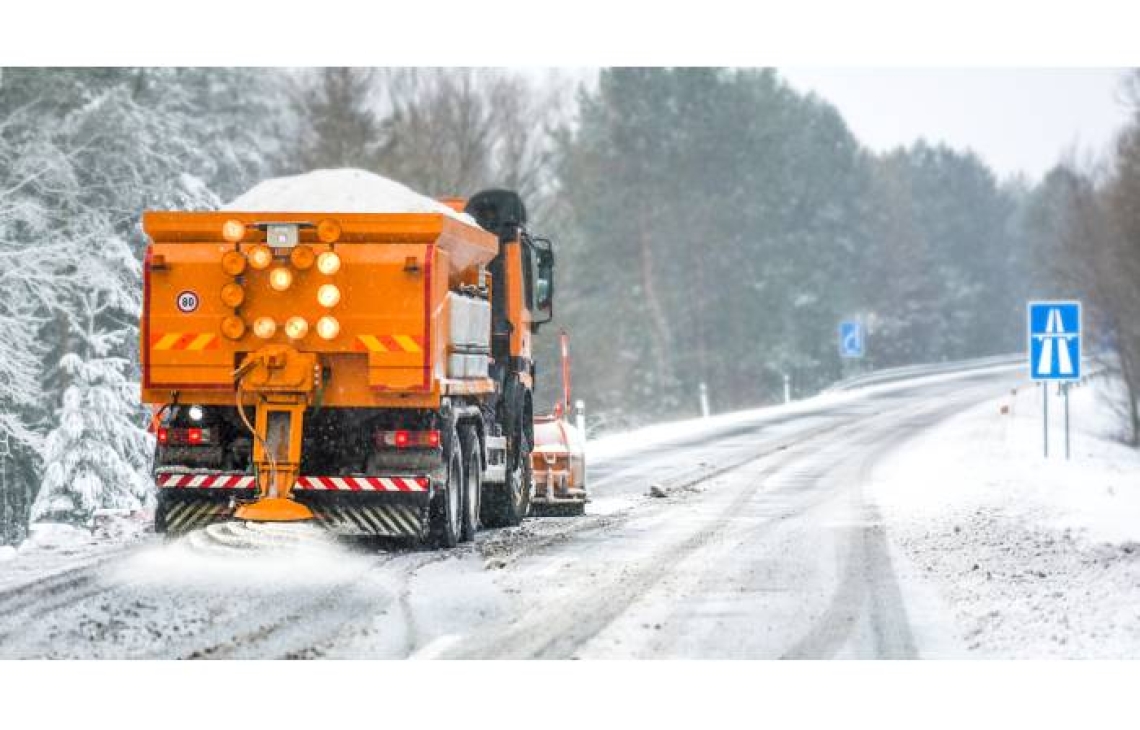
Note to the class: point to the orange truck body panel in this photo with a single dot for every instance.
(391, 350)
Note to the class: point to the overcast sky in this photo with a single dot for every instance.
(1017, 120)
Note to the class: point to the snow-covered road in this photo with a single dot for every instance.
(774, 539)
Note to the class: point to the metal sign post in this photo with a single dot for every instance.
(1054, 334)
(1065, 390)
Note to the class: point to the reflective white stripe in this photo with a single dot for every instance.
(205, 481)
(363, 484)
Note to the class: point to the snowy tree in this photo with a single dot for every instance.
(455, 131)
(97, 456)
(337, 122)
(82, 153)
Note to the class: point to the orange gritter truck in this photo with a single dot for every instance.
(369, 371)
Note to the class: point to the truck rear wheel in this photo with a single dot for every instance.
(505, 505)
(473, 482)
(445, 515)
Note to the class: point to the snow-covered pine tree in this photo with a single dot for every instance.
(97, 455)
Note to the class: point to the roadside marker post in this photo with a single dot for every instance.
(1054, 339)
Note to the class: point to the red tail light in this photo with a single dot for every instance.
(404, 439)
(185, 436)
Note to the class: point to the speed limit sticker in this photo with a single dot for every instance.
(187, 301)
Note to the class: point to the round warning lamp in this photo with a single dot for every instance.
(328, 231)
(233, 327)
(260, 257)
(233, 295)
(302, 257)
(264, 327)
(327, 327)
(296, 328)
(233, 263)
(281, 278)
(233, 231)
(328, 296)
(328, 263)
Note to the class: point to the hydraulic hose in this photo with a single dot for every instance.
(239, 375)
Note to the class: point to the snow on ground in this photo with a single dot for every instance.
(1032, 557)
(338, 191)
(51, 548)
(615, 444)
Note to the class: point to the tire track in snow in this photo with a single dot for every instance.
(869, 588)
(551, 637)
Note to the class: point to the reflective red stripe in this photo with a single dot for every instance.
(205, 481)
(144, 356)
(363, 484)
(429, 254)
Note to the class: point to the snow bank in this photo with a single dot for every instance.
(52, 535)
(985, 457)
(609, 445)
(338, 191)
(1031, 557)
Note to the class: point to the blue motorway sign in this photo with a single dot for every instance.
(1055, 340)
(851, 339)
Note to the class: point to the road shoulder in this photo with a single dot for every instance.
(1026, 557)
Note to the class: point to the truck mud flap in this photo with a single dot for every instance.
(180, 512)
(378, 515)
(388, 506)
(379, 506)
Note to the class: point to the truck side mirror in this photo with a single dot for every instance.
(543, 281)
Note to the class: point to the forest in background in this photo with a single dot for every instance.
(710, 225)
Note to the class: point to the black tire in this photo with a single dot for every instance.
(473, 482)
(161, 508)
(445, 513)
(505, 505)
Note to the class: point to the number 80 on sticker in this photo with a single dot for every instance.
(187, 302)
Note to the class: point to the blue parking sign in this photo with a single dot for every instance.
(851, 339)
(1055, 340)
